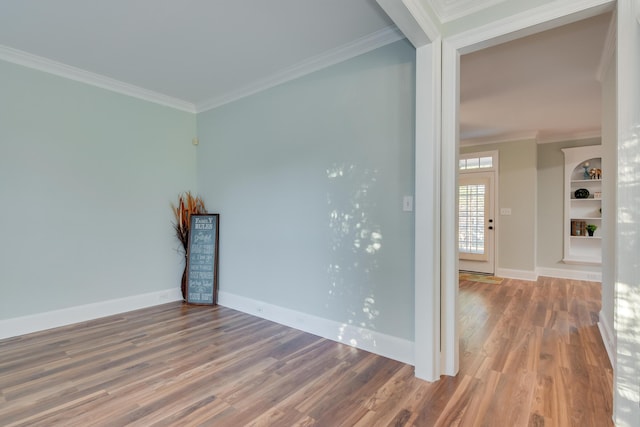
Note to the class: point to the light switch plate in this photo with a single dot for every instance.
(407, 203)
(505, 211)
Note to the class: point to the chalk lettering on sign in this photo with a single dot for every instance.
(202, 249)
(202, 238)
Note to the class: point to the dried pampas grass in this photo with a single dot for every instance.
(187, 205)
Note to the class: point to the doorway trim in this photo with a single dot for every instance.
(436, 329)
(520, 25)
(494, 189)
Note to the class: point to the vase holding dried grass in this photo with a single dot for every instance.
(187, 205)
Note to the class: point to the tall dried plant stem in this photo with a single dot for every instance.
(188, 204)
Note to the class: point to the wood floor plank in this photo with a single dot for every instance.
(531, 355)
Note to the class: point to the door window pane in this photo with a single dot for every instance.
(485, 162)
(471, 207)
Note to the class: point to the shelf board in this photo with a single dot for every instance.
(588, 199)
(586, 237)
(580, 181)
(589, 218)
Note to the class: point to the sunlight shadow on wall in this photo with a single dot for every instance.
(627, 316)
(355, 242)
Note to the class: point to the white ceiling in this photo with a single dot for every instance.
(202, 53)
(543, 86)
(194, 50)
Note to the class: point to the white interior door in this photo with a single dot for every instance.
(476, 225)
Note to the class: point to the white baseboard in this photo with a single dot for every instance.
(81, 313)
(375, 342)
(607, 338)
(517, 274)
(593, 276)
(365, 339)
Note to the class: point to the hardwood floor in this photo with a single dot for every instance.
(531, 355)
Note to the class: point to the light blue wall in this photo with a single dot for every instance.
(86, 177)
(516, 233)
(308, 178)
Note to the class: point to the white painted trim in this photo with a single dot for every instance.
(509, 273)
(342, 53)
(606, 332)
(608, 55)
(25, 59)
(82, 313)
(427, 290)
(529, 22)
(532, 135)
(625, 264)
(573, 136)
(406, 22)
(542, 18)
(419, 13)
(561, 273)
(510, 137)
(365, 339)
(447, 10)
(449, 209)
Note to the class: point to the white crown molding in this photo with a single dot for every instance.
(406, 22)
(357, 47)
(449, 10)
(59, 69)
(365, 339)
(500, 138)
(422, 17)
(574, 136)
(529, 135)
(609, 49)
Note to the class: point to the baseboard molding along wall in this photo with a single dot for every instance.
(549, 272)
(516, 274)
(365, 339)
(607, 338)
(82, 313)
(592, 276)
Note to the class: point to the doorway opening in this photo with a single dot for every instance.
(454, 135)
(476, 212)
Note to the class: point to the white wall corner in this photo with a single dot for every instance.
(360, 46)
(592, 276)
(428, 25)
(406, 22)
(509, 273)
(607, 338)
(82, 313)
(365, 339)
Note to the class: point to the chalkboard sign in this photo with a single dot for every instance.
(202, 259)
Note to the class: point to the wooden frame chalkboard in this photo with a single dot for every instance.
(202, 259)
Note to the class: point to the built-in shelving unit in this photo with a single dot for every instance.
(581, 168)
